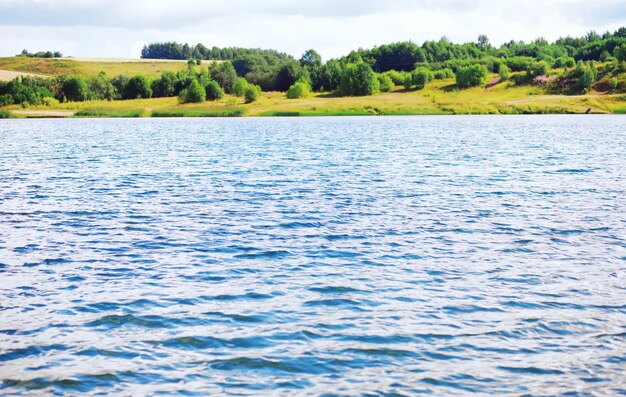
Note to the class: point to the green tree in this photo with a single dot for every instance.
(620, 53)
(137, 87)
(311, 58)
(299, 89)
(504, 72)
(224, 73)
(386, 84)
(252, 93)
(358, 80)
(192, 94)
(164, 86)
(471, 76)
(75, 89)
(239, 88)
(420, 77)
(214, 91)
(287, 76)
(100, 87)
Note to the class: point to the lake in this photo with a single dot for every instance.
(379, 256)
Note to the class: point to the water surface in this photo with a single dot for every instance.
(323, 256)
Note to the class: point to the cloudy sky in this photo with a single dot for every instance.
(120, 28)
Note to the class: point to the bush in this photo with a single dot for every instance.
(537, 69)
(137, 87)
(504, 72)
(386, 84)
(613, 83)
(444, 74)
(358, 80)
(239, 87)
(420, 77)
(471, 76)
(620, 53)
(299, 89)
(224, 73)
(6, 99)
(519, 64)
(192, 94)
(75, 89)
(252, 93)
(214, 91)
(396, 77)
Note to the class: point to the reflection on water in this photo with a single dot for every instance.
(337, 256)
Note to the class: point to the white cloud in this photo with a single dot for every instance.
(333, 27)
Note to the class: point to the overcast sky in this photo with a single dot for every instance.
(120, 28)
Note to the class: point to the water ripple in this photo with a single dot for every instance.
(331, 257)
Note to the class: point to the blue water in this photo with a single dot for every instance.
(325, 256)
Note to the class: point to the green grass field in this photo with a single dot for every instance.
(89, 68)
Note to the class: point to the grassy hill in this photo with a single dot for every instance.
(90, 67)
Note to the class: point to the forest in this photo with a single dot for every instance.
(566, 66)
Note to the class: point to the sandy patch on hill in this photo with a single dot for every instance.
(8, 75)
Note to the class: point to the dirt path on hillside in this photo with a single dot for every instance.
(8, 75)
(44, 113)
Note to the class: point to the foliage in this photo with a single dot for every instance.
(299, 89)
(137, 87)
(420, 77)
(613, 83)
(75, 89)
(537, 69)
(471, 76)
(239, 87)
(358, 80)
(442, 74)
(620, 53)
(214, 91)
(311, 58)
(100, 87)
(504, 72)
(41, 54)
(225, 75)
(252, 93)
(386, 84)
(165, 86)
(288, 75)
(192, 94)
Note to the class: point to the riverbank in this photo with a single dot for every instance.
(439, 98)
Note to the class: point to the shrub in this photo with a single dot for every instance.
(504, 72)
(471, 76)
(224, 73)
(75, 89)
(613, 83)
(620, 53)
(239, 87)
(252, 93)
(537, 69)
(6, 99)
(396, 77)
(420, 77)
(299, 89)
(444, 74)
(386, 84)
(358, 80)
(192, 94)
(137, 87)
(50, 101)
(214, 91)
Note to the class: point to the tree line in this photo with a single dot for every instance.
(40, 54)
(565, 66)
